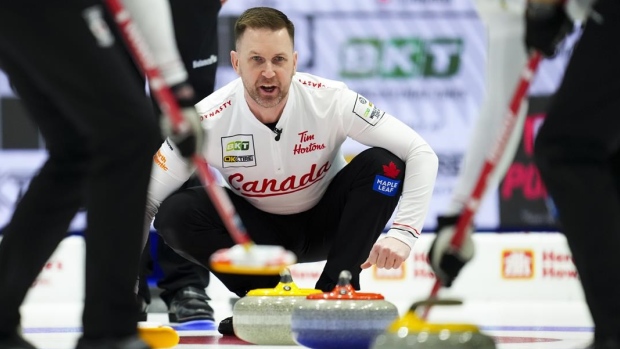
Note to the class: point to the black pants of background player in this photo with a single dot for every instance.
(578, 153)
(177, 271)
(341, 228)
(195, 25)
(100, 133)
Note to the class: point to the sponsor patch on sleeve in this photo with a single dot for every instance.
(367, 111)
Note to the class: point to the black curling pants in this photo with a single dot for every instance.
(341, 228)
(100, 132)
(578, 153)
(177, 271)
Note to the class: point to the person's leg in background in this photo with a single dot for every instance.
(54, 196)
(183, 282)
(143, 293)
(506, 57)
(577, 152)
(99, 155)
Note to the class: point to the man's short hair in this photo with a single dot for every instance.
(263, 18)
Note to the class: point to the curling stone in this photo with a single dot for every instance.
(410, 331)
(342, 318)
(252, 259)
(263, 316)
(157, 335)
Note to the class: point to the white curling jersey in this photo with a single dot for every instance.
(290, 173)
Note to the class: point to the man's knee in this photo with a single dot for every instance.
(383, 162)
(378, 171)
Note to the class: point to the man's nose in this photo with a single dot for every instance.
(268, 71)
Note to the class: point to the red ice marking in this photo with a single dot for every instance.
(504, 339)
(212, 339)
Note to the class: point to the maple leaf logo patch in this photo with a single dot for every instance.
(391, 170)
(387, 184)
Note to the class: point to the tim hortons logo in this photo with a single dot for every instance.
(216, 111)
(306, 145)
(272, 187)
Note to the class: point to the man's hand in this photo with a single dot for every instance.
(445, 261)
(546, 25)
(387, 253)
(189, 137)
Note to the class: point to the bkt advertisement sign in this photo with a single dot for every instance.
(401, 57)
(429, 72)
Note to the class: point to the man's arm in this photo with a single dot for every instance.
(385, 131)
(154, 19)
(170, 170)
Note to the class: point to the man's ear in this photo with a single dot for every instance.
(234, 60)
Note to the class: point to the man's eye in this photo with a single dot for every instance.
(279, 59)
(257, 58)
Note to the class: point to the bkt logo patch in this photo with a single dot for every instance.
(401, 57)
(238, 151)
(237, 145)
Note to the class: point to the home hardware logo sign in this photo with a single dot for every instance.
(401, 57)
